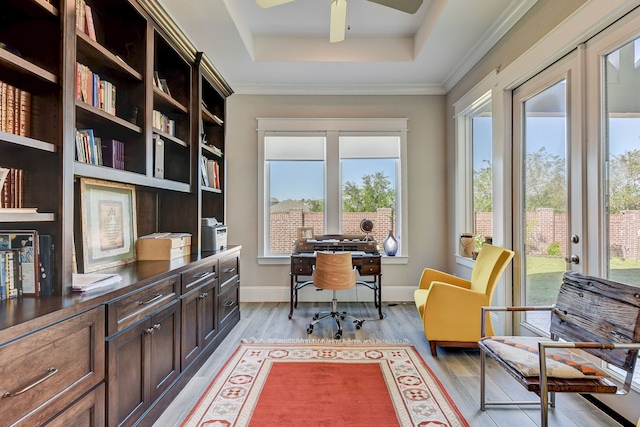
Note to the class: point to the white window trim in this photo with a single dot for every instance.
(332, 128)
(464, 110)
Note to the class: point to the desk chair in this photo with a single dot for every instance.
(333, 271)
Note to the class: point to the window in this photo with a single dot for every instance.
(329, 175)
(474, 203)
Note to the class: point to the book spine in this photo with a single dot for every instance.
(90, 28)
(3, 107)
(10, 94)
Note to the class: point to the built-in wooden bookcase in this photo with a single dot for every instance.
(30, 37)
(44, 41)
(212, 146)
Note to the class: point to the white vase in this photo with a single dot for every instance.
(390, 244)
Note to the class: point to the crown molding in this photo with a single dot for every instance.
(347, 89)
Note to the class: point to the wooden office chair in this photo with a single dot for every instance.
(334, 271)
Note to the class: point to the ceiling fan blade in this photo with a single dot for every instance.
(338, 23)
(270, 3)
(409, 6)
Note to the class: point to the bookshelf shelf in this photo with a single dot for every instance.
(21, 141)
(24, 67)
(89, 113)
(209, 150)
(209, 117)
(93, 53)
(26, 217)
(47, 7)
(127, 177)
(211, 189)
(163, 100)
(171, 138)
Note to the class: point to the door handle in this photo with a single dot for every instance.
(573, 259)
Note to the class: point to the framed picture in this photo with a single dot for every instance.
(305, 233)
(108, 224)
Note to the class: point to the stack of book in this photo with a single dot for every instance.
(95, 91)
(15, 110)
(84, 19)
(97, 151)
(163, 123)
(26, 264)
(11, 187)
(210, 173)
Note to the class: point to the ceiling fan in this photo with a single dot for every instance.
(339, 12)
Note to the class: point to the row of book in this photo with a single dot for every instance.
(163, 123)
(95, 91)
(11, 187)
(210, 173)
(15, 110)
(84, 19)
(26, 264)
(97, 151)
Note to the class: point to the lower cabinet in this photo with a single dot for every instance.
(88, 411)
(143, 361)
(45, 371)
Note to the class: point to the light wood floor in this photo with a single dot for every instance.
(458, 370)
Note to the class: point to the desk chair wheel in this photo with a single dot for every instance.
(310, 329)
(315, 317)
(338, 335)
(358, 324)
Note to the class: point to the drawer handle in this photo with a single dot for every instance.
(203, 295)
(229, 270)
(152, 329)
(202, 276)
(50, 372)
(229, 303)
(150, 300)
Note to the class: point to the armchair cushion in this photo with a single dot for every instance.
(521, 353)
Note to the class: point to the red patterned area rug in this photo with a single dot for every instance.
(325, 383)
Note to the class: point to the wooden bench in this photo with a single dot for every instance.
(597, 316)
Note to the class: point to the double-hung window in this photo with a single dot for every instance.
(328, 175)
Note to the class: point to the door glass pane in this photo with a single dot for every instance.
(545, 198)
(623, 157)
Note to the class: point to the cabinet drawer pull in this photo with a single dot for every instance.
(157, 326)
(229, 270)
(229, 303)
(203, 295)
(150, 300)
(50, 372)
(202, 275)
(148, 331)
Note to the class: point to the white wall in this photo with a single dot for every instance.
(427, 195)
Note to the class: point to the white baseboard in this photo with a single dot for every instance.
(310, 294)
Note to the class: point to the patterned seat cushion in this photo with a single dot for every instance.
(521, 353)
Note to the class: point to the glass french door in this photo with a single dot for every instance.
(548, 197)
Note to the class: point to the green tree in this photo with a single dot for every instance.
(315, 205)
(482, 188)
(546, 181)
(375, 192)
(624, 182)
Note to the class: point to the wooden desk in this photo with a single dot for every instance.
(366, 264)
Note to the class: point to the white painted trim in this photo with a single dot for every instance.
(332, 89)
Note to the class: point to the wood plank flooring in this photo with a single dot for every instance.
(458, 370)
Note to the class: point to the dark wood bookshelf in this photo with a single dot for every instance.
(134, 39)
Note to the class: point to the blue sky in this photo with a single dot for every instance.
(304, 179)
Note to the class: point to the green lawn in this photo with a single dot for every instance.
(544, 276)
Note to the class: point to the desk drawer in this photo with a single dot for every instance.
(301, 270)
(228, 304)
(195, 277)
(51, 368)
(138, 305)
(228, 268)
(370, 269)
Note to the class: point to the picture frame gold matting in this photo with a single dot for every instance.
(108, 224)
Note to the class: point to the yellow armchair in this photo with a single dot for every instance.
(450, 306)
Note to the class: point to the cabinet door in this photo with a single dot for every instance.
(199, 322)
(165, 349)
(128, 393)
(86, 412)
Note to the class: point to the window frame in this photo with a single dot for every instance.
(331, 129)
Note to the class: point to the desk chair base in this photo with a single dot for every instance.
(337, 316)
